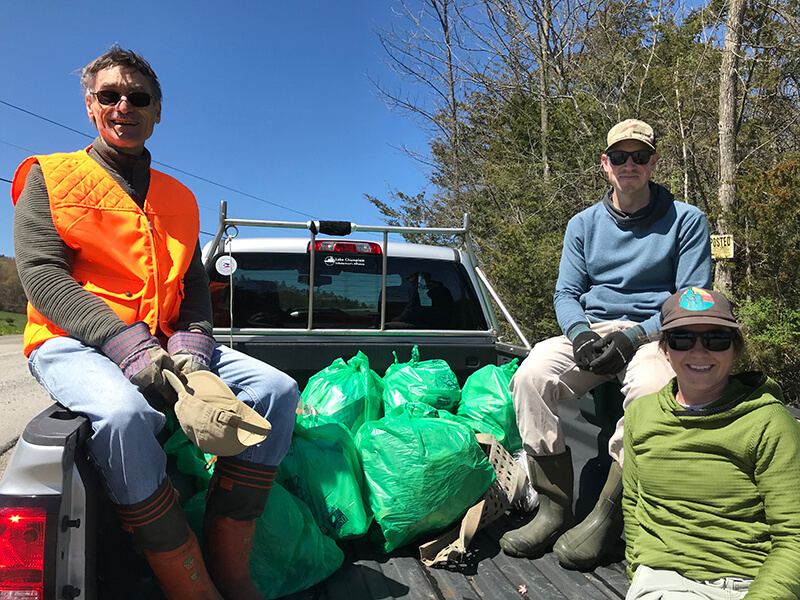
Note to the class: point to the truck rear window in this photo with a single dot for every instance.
(271, 291)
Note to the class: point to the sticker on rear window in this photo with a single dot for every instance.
(344, 261)
(226, 265)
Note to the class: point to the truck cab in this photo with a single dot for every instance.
(275, 298)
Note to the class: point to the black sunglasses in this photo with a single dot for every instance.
(715, 341)
(111, 98)
(620, 157)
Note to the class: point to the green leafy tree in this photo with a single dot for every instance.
(767, 269)
(539, 84)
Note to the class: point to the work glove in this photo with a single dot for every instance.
(614, 352)
(141, 358)
(583, 349)
(190, 351)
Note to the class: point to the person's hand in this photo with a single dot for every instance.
(614, 352)
(190, 351)
(583, 349)
(141, 358)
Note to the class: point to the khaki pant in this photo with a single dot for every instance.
(657, 584)
(549, 375)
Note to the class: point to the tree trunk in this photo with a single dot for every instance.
(544, 84)
(684, 151)
(728, 129)
(441, 7)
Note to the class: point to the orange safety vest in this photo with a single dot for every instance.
(132, 258)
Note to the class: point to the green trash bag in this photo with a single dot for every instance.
(430, 381)
(190, 459)
(323, 468)
(475, 425)
(348, 391)
(486, 399)
(423, 472)
(290, 553)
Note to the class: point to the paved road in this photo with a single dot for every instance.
(21, 397)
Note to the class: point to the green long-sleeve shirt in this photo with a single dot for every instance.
(716, 492)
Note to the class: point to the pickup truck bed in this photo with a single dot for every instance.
(113, 570)
(271, 325)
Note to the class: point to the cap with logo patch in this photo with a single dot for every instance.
(696, 306)
(631, 129)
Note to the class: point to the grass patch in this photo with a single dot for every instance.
(12, 323)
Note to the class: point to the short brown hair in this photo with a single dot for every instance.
(116, 56)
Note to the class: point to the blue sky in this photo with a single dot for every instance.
(271, 98)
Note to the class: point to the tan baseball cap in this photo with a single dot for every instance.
(213, 417)
(631, 129)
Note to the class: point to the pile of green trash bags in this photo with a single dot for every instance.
(390, 458)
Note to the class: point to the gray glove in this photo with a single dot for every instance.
(190, 351)
(141, 358)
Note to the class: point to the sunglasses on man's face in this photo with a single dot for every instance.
(715, 341)
(111, 98)
(620, 157)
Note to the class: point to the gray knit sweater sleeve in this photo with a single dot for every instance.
(196, 308)
(44, 263)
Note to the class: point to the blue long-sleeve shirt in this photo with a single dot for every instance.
(612, 269)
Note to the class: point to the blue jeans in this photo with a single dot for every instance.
(123, 445)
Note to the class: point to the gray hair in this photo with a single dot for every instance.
(116, 56)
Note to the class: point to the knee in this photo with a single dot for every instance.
(531, 367)
(281, 396)
(533, 372)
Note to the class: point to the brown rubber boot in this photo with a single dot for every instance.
(161, 532)
(237, 495)
(551, 477)
(182, 572)
(584, 545)
(229, 558)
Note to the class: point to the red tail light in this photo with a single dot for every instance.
(346, 247)
(22, 534)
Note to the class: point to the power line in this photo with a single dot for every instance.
(220, 185)
(27, 112)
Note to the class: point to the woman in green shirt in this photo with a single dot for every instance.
(711, 471)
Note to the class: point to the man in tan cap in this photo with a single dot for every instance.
(622, 258)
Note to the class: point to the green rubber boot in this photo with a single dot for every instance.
(551, 477)
(584, 545)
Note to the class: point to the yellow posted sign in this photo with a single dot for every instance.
(721, 246)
